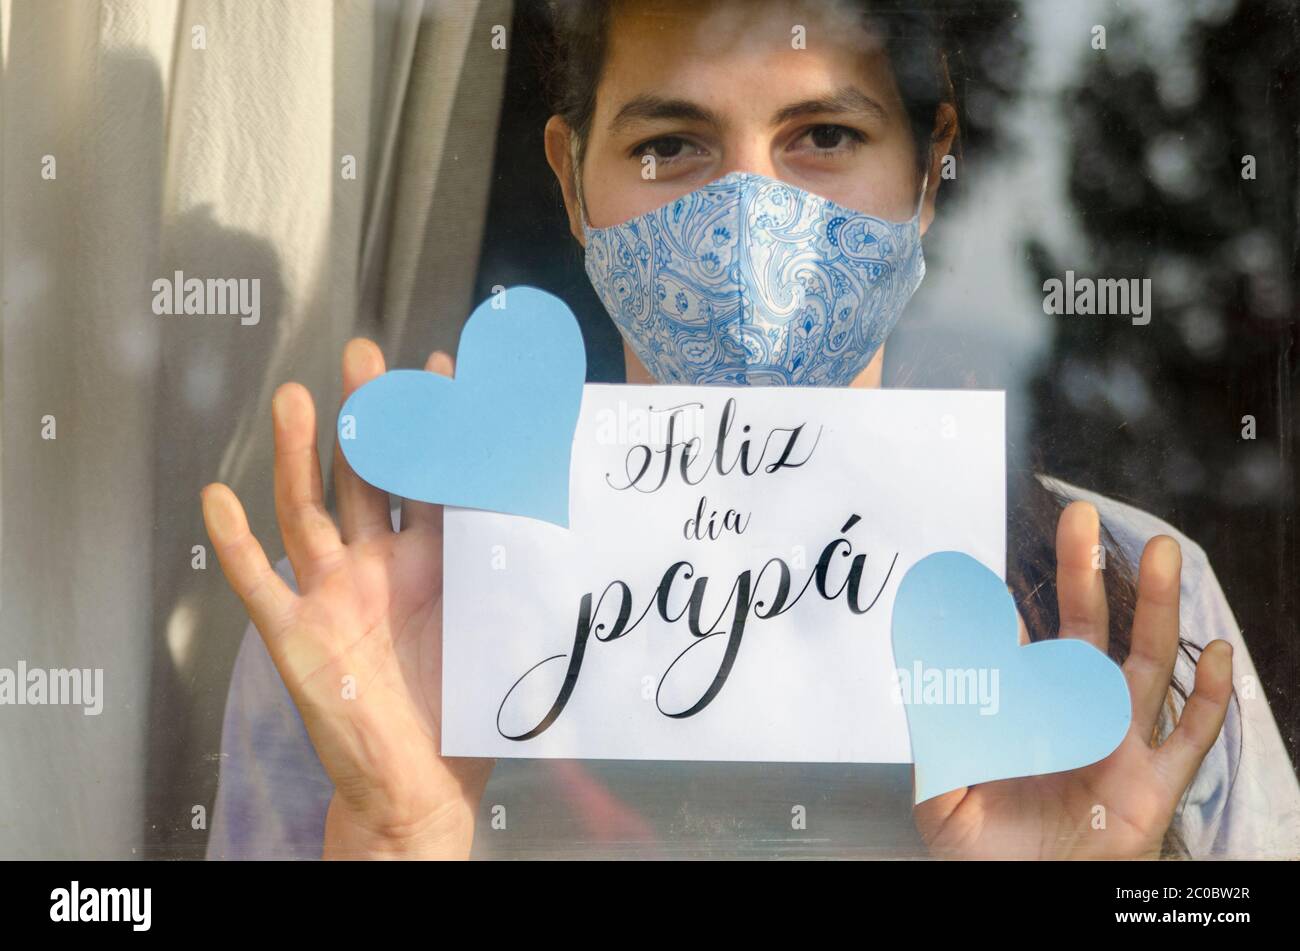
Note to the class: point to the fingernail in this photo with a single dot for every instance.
(354, 359)
(217, 515)
(285, 410)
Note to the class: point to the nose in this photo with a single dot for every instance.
(748, 150)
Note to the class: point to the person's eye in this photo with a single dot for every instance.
(830, 139)
(667, 148)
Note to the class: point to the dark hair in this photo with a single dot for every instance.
(914, 40)
(915, 49)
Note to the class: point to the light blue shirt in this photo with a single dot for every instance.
(273, 792)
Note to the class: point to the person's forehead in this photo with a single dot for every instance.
(653, 34)
(739, 57)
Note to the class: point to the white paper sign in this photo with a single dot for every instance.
(684, 615)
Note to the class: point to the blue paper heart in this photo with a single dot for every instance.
(498, 436)
(1061, 704)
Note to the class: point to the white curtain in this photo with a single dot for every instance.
(211, 137)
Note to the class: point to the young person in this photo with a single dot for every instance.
(850, 128)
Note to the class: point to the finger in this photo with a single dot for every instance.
(310, 538)
(440, 362)
(363, 509)
(1080, 587)
(1202, 717)
(1150, 663)
(422, 515)
(267, 598)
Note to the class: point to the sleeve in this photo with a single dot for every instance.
(1245, 801)
(272, 792)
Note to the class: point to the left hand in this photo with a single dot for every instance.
(359, 644)
(1140, 784)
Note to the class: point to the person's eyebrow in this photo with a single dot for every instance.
(649, 108)
(848, 99)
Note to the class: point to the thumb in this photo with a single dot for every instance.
(933, 814)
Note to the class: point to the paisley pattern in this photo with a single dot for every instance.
(750, 280)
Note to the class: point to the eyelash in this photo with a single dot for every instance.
(644, 148)
(855, 138)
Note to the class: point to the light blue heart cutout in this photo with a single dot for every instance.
(1060, 704)
(499, 435)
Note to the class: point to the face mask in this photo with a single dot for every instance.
(752, 281)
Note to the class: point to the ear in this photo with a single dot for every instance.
(945, 134)
(559, 155)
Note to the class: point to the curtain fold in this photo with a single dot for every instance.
(214, 140)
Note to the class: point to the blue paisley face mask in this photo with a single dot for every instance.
(750, 280)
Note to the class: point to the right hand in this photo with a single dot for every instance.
(359, 647)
